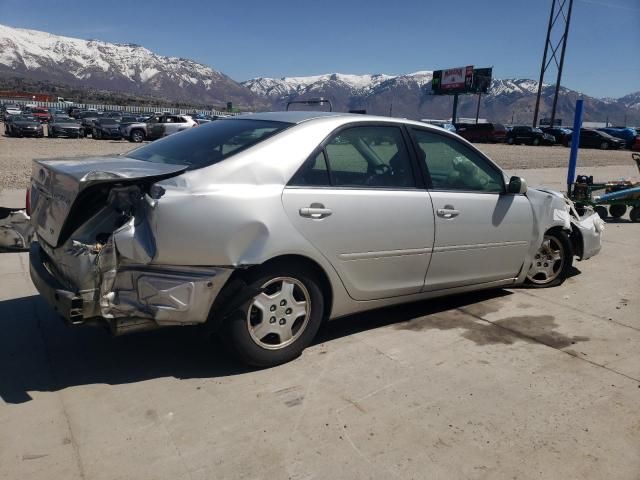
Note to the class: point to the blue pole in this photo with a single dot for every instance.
(575, 144)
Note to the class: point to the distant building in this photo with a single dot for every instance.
(35, 97)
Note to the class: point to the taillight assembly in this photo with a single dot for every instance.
(28, 201)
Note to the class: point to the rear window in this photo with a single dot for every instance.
(209, 143)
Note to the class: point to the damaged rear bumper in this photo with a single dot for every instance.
(128, 297)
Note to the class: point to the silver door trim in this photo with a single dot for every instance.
(450, 248)
(383, 254)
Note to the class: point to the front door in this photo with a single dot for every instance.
(482, 234)
(357, 201)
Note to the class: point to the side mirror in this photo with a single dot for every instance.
(517, 185)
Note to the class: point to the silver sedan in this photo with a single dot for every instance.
(262, 226)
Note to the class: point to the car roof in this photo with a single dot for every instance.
(296, 116)
(300, 116)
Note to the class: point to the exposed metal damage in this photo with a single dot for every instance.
(108, 259)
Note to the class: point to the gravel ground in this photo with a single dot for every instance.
(16, 155)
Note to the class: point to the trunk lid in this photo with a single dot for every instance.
(64, 192)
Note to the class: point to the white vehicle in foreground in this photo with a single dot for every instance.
(264, 225)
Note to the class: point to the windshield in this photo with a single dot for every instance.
(24, 118)
(209, 143)
(107, 121)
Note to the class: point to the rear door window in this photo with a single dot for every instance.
(369, 156)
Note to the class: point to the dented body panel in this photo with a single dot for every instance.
(142, 244)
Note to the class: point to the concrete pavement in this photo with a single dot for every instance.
(505, 384)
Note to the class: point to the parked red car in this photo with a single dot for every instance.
(42, 114)
(482, 132)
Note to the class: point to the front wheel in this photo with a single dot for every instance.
(536, 142)
(510, 141)
(552, 261)
(604, 146)
(278, 323)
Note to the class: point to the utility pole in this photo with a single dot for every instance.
(478, 108)
(557, 16)
(454, 115)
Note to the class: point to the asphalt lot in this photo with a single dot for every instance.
(502, 384)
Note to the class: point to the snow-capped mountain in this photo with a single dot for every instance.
(409, 95)
(119, 67)
(133, 69)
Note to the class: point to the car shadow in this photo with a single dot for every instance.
(39, 353)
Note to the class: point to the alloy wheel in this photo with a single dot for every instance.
(547, 262)
(279, 315)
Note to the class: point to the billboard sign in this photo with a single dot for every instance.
(482, 80)
(461, 80)
(457, 79)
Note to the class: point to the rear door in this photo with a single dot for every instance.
(482, 234)
(358, 201)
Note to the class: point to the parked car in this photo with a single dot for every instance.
(86, 119)
(529, 136)
(23, 126)
(40, 113)
(106, 128)
(590, 138)
(157, 126)
(446, 125)
(74, 112)
(64, 126)
(482, 132)
(9, 109)
(627, 134)
(636, 144)
(263, 225)
(558, 133)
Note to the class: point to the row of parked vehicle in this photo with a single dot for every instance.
(77, 123)
(603, 138)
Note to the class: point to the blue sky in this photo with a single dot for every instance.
(245, 39)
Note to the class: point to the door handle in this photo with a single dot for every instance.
(447, 212)
(316, 211)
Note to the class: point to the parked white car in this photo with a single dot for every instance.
(264, 225)
(157, 126)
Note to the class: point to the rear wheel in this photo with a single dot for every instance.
(552, 261)
(601, 211)
(634, 214)
(604, 146)
(536, 142)
(617, 210)
(278, 323)
(136, 136)
(510, 141)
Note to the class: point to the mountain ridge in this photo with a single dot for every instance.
(134, 70)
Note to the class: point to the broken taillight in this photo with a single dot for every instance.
(28, 201)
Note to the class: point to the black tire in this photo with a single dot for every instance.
(617, 210)
(239, 328)
(604, 146)
(510, 141)
(558, 239)
(602, 211)
(136, 136)
(51, 134)
(634, 214)
(536, 142)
